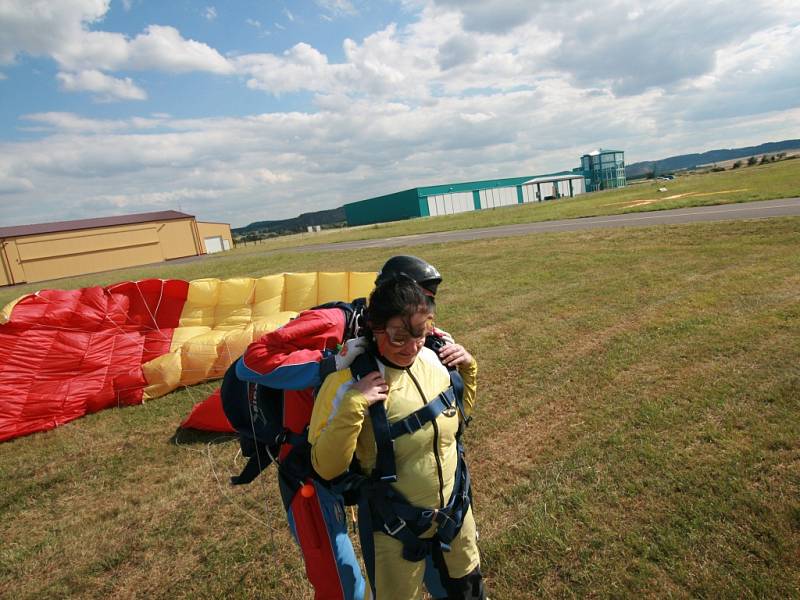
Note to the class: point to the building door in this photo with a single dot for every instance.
(213, 244)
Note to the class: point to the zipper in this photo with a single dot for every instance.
(439, 470)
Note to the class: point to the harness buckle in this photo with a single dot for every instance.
(446, 397)
(407, 423)
(394, 530)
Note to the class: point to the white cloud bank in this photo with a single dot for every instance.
(60, 29)
(468, 90)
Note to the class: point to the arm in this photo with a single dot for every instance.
(296, 356)
(455, 355)
(339, 412)
(469, 373)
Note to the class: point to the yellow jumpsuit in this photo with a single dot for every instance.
(426, 460)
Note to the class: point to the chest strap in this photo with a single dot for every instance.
(386, 433)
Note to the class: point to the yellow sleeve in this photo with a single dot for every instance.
(469, 373)
(335, 424)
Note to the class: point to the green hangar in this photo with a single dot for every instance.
(454, 198)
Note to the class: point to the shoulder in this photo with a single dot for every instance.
(334, 383)
(310, 322)
(430, 359)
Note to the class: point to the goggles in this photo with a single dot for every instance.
(401, 336)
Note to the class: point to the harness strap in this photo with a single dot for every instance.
(259, 461)
(392, 514)
(385, 466)
(389, 510)
(422, 416)
(263, 456)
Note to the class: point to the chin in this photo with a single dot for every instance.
(404, 361)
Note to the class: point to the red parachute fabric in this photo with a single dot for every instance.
(69, 353)
(209, 416)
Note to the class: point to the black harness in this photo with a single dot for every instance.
(256, 412)
(381, 507)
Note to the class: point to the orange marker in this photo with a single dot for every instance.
(307, 491)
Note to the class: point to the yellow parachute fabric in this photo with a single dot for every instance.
(221, 317)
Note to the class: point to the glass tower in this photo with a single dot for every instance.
(603, 169)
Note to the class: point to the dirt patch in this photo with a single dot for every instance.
(635, 203)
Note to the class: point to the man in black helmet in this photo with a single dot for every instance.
(295, 359)
(424, 273)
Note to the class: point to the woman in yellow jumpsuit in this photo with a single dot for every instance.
(409, 376)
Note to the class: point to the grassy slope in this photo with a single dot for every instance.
(637, 434)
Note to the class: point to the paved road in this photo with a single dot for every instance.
(726, 212)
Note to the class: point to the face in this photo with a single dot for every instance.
(400, 341)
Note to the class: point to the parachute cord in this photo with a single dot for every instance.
(228, 496)
(207, 454)
(144, 301)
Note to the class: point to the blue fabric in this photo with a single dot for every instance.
(288, 377)
(433, 579)
(333, 512)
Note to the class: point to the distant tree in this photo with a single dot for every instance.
(736, 165)
(764, 159)
(751, 161)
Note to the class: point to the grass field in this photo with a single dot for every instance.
(638, 433)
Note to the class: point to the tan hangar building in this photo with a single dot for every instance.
(30, 253)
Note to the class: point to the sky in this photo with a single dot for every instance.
(253, 110)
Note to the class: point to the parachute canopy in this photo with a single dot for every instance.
(69, 353)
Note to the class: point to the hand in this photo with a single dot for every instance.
(444, 335)
(349, 351)
(453, 355)
(373, 387)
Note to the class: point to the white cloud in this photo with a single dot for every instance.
(14, 185)
(495, 16)
(299, 68)
(3, 76)
(337, 8)
(288, 14)
(105, 87)
(61, 31)
(40, 27)
(154, 199)
(163, 48)
(209, 13)
(445, 98)
(70, 122)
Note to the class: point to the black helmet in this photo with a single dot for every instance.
(420, 271)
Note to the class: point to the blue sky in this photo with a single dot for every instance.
(246, 111)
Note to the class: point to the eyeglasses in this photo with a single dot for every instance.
(400, 337)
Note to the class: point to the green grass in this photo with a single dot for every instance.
(762, 182)
(638, 434)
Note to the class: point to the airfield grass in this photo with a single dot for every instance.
(637, 434)
(759, 182)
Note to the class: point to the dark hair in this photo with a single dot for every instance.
(396, 296)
